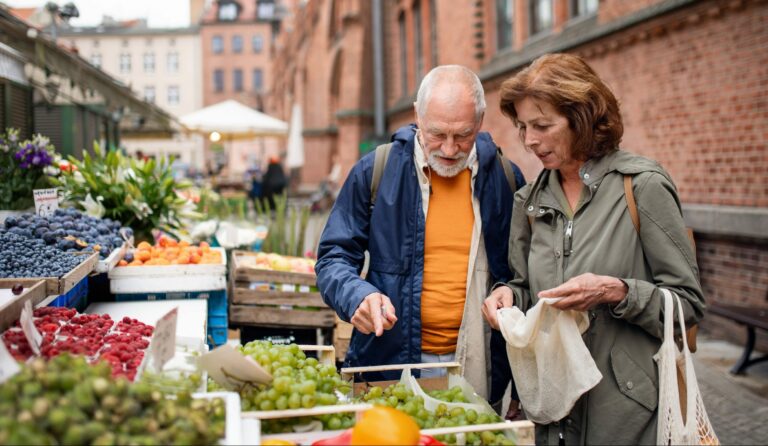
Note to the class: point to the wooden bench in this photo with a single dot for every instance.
(751, 318)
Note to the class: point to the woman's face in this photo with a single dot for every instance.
(546, 133)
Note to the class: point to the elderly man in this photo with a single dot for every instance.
(437, 236)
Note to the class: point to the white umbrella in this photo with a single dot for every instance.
(295, 156)
(234, 120)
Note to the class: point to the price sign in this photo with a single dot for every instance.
(163, 344)
(46, 201)
(231, 369)
(34, 338)
(8, 365)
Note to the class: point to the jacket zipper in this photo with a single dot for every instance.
(567, 244)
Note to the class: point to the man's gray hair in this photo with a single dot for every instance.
(453, 72)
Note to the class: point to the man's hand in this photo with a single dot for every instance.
(586, 291)
(501, 297)
(374, 315)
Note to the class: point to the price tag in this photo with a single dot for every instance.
(28, 327)
(232, 369)
(163, 344)
(288, 288)
(303, 288)
(8, 365)
(46, 201)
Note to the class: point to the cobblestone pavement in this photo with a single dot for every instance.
(737, 406)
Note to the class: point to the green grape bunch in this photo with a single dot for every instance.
(298, 382)
(398, 396)
(68, 401)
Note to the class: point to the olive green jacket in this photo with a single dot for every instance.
(621, 409)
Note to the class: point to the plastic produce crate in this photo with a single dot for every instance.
(76, 298)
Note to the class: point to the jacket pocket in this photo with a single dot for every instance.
(388, 266)
(632, 380)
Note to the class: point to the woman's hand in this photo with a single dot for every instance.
(500, 297)
(586, 291)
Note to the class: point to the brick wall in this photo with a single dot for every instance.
(733, 272)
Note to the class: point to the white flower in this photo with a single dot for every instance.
(79, 178)
(93, 207)
(142, 210)
(51, 171)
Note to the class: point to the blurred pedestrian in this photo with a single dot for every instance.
(273, 182)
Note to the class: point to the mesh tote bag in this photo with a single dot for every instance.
(682, 416)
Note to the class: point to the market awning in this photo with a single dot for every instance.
(41, 51)
(233, 120)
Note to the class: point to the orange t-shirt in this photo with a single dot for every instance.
(448, 237)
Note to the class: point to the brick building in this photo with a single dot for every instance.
(690, 75)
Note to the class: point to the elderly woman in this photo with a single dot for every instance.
(572, 237)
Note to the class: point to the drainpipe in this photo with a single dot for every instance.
(379, 118)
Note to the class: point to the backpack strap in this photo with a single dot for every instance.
(507, 170)
(379, 163)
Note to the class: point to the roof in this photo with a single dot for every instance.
(248, 13)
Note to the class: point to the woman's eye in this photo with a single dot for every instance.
(539, 127)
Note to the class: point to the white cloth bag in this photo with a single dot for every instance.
(551, 365)
(678, 389)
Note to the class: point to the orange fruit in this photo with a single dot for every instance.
(383, 425)
(142, 255)
(136, 262)
(144, 245)
(122, 263)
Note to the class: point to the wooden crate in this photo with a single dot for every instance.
(274, 308)
(58, 285)
(11, 311)
(342, 334)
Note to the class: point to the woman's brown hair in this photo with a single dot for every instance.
(576, 91)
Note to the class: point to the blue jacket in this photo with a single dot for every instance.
(393, 234)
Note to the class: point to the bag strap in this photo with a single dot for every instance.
(379, 163)
(507, 171)
(690, 335)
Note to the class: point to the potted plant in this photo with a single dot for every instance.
(24, 166)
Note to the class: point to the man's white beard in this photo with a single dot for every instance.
(433, 160)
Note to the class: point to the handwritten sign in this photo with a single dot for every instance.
(34, 338)
(8, 365)
(46, 201)
(163, 343)
(232, 369)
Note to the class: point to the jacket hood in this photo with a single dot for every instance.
(594, 170)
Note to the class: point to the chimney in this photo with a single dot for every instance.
(196, 9)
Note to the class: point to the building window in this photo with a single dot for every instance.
(227, 12)
(266, 9)
(173, 62)
(505, 15)
(237, 44)
(258, 80)
(257, 42)
(125, 63)
(417, 44)
(403, 55)
(541, 16)
(96, 60)
(237, 79)
(149, 62)
(218, 44)
(149, 94)
(173, 95)
(218, 81)
(583, 7)
(125, 43)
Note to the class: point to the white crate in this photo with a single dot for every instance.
(106, 265)
(233, 433)
(169, 278)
